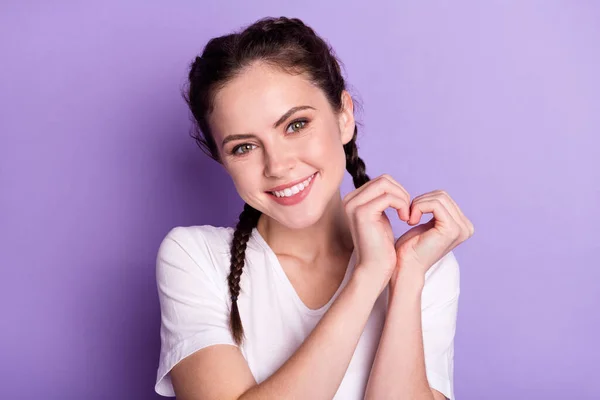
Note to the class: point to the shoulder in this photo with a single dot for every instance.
(196, 235)
(195, 247)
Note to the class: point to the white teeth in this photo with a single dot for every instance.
(294, 189)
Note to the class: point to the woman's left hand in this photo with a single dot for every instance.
(422, 246)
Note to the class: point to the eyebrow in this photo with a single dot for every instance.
(280, 121)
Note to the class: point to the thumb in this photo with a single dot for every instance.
(411, 233)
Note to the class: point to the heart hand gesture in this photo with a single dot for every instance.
(422, 246)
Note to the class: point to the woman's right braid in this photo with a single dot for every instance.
(248, 220)
(282, 42)
(354, 164)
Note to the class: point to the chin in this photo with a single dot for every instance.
(301, 223)
(298, 219)
(295, 218)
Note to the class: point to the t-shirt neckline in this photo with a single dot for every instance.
(281, 273)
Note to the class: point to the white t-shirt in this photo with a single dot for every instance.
(191, 272)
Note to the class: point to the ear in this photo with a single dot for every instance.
(346, 118)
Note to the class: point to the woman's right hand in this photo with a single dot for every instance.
(370, 227)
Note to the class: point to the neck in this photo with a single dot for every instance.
(329, 237)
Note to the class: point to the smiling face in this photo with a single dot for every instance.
(290, 132)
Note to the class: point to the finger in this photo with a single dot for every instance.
(395, 182)
(361, 189)
(379, 183)
(442, 216)
(375, 182)
(467, 222)
(378, 188)
(375, 188)
(446, 201)
(451, 206)
(404, 216)
(375, 207)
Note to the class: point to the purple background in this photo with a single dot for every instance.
(495, 102)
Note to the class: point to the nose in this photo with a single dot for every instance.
(278, 161)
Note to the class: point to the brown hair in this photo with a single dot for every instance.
(285, 43)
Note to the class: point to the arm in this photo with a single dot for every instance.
(398, 370)
(417, 345)
(317, 368)
(420, 325)
(314, 371)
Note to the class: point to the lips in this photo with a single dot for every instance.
(289, 185)
(297, 197)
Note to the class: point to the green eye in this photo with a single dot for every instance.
(298, 125)
(245, 146)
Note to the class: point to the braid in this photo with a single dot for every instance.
(248, 220)
(354, 164)
(291, 45)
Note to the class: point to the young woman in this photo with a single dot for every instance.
(310, 296)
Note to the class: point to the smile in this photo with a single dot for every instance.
(293, 190)
(294, 194)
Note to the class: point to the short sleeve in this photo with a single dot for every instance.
(439, 306)
(193, 301)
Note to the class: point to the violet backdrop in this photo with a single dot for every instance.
(495, 102)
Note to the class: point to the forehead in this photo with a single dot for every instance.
(258, 96)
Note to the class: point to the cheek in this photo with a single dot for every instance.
(330, 150)
(244, 178)
(324, 145)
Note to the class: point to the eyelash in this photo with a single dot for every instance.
(235, 149)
